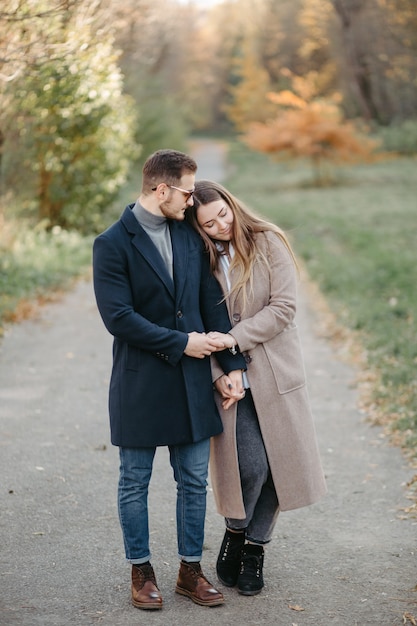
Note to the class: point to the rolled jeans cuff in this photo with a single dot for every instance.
(141, 561)
(190, 559)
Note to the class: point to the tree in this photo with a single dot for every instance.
(224, 56)
(249, 101)
(77, 127)
(311, 129)
(27, 32)
(73, 125)
(379, 57)
(155, 65)
(351, 13)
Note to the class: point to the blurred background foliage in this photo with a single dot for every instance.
(88, 86)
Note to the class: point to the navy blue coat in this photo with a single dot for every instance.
(158, 395)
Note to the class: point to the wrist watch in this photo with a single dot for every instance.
(233, 350)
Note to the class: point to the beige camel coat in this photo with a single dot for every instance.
(267, 334)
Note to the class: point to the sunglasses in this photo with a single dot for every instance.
(186, 193)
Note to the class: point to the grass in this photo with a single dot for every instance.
(357, 240)
(35, 264)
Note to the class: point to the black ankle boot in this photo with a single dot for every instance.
(250, 580)
(228, 561)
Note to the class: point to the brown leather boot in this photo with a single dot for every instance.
(145, 593)
(191, 582)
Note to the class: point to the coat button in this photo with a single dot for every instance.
(179, 314)
(236, 317)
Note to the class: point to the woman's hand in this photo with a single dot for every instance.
(227, 340)
(230, 387)
(200, 345)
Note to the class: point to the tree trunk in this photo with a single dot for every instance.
(47, 211)
(360, 75)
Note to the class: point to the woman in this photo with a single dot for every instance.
(266, 460)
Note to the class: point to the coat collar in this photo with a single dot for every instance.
(143, 243)
(180, 249)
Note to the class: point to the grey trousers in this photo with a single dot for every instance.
(259, 495)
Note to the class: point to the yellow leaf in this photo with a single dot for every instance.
(295, 607)
(287, 98)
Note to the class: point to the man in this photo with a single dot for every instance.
(158, 299)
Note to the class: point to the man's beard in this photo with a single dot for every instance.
(173, 214)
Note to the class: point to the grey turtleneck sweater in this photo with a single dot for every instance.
(157, 228)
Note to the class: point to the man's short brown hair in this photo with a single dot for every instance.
(166, 166)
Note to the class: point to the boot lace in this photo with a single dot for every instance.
(231, 550)
(147, 573)
(251, 565)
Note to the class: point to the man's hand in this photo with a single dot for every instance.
(230, 387)
(200, 345)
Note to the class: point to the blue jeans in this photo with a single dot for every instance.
(190, 467)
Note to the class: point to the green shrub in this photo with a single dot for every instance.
(35, 261)
(76, 136)
(400, 137)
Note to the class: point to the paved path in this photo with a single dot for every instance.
(349, 560)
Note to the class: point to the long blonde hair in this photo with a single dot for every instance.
(245, 225)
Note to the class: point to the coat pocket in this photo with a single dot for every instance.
(285, 357)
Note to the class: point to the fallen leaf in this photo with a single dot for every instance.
(295, 607)
(407, 617)
(412, 481)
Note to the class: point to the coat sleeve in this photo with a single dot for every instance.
(279, 310)
(115, 303)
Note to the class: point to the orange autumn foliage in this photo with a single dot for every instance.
(315, 131)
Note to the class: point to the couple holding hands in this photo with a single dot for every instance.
(199, 294)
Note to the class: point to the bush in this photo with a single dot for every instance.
(35, 261)
(400, 138)
(76, 136)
